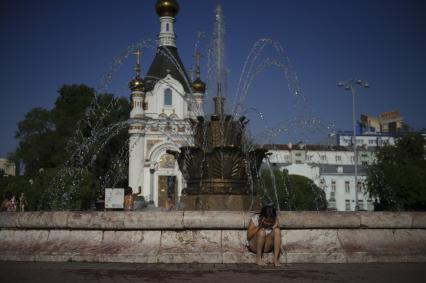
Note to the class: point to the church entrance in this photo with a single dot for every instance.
(167, 191)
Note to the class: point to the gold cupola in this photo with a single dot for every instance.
(137, 83)
(198, 86)
(167, 8)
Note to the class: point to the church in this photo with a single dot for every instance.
(163, 102)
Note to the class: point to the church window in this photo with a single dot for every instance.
(168, 97)
(167, 27)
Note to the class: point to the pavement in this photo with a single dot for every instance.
(75, 272)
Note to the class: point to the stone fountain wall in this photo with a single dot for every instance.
(209, 237)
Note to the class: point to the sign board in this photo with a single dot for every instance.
(114, 198)
(390, 115)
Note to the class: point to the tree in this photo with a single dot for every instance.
(36, 140)
(397, 180)
(68, 149)
(294, 192)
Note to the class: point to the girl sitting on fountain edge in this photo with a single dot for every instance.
(264, 234)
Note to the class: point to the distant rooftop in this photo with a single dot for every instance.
(313, 147)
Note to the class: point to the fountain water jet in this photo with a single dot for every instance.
(219, 166)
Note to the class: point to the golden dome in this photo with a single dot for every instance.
(136, 84)
(198, 86)
(167, 8)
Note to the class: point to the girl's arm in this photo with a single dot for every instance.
(253, 229)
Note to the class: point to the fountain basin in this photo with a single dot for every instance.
(209, 237)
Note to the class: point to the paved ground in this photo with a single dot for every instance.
(16, 272)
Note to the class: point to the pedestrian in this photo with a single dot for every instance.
(22, 202)
(129, 198)
(169, 204)
(264, 234)
(6, 204)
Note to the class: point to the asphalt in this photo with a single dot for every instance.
(73, 272)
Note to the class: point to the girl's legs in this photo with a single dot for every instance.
(277, 245)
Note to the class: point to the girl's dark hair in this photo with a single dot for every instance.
(128, 191)
(268, 212)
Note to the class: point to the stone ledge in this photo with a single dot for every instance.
(212, 246)
(313, 219)
(214, 220)
(390, 220)
(179, 220)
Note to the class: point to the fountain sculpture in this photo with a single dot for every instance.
(221, 168)
(219, 171)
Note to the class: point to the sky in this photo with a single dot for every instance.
(46, 44)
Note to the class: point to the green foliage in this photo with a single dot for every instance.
(50, 143)
(76, 192)
(36, 135)
(293, 192)
(32, 187)
(398, 177)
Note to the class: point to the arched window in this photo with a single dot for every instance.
(167, 27)
(168, 97)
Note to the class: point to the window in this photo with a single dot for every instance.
(323, 158)
(333, 186)
(309, 157)
(338, 158)
(361, 204)
(359, 187)
(298, 154)
(168, 97)
(347, 188)
(371, 142)
(347, 205)
(167, 27)
(333, 190)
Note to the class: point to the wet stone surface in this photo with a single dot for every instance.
(247, 273)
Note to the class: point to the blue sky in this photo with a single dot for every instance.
(46, 43)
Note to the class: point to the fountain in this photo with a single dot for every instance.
(220, 169)
(217, 158)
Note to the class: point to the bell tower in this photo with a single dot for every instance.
(167, 11)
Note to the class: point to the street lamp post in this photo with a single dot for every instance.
(350, 86)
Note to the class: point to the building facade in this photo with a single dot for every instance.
(364, 140)
(387, 123)
(162, 105)
(7, 168)
(331, 168)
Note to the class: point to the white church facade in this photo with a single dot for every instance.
(163, 102)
